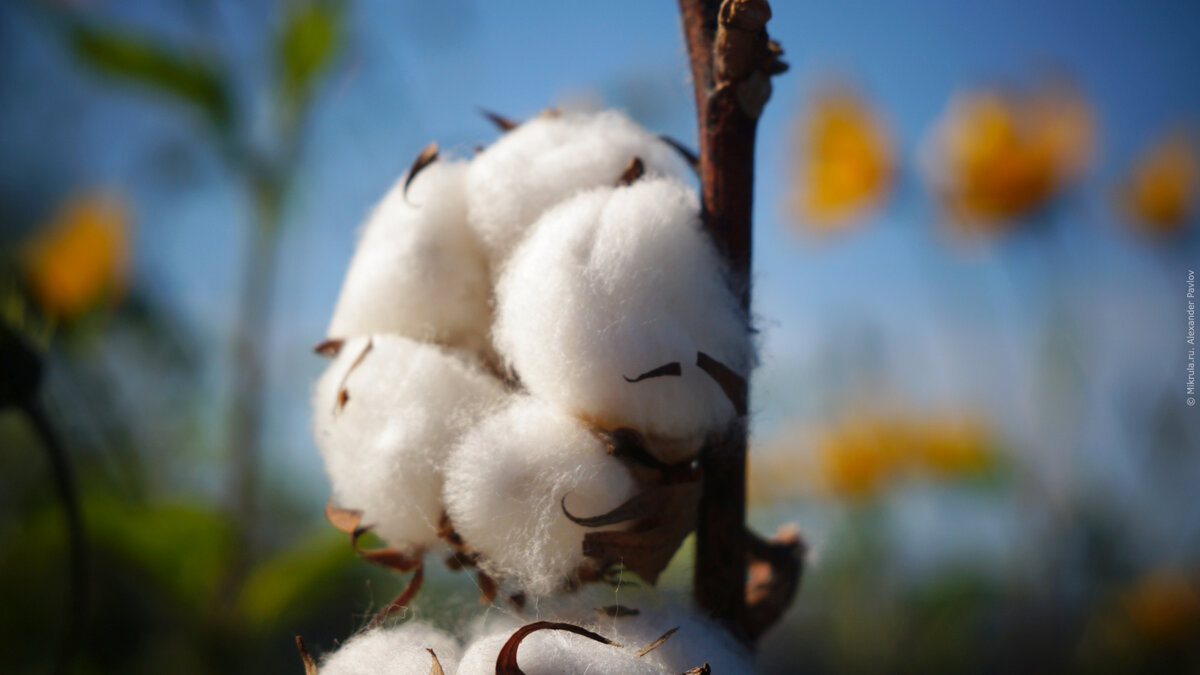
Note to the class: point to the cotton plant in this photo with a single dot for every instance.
(528, 354)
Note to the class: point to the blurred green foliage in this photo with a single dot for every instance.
(156, 65)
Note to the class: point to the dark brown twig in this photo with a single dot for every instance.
(732, 61)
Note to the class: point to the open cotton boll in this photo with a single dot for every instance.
(556, 652)
(697, 640)
(505, 483)
(549, 158)
(419, 269)
(393, 651)
(617, 282)
(386, 412)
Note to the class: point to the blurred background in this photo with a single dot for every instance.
(975, 226)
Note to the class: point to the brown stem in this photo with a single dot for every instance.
(732, 61)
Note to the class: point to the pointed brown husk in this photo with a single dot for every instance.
(506, 661)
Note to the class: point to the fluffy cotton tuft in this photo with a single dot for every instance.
(419, 269)
(697, 641)
(386, 438)
(505, 482)
(614, 283)
(546, 160)
(393, 651)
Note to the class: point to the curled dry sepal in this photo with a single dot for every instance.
(506, 662)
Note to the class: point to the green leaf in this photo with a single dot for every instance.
(183, 549)
(146, 61)
(295, 579)
(311, 36)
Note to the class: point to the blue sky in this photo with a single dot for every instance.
(906, 315)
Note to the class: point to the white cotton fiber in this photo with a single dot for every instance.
(393, 651)
(614, 283)
(419, 269)
(384, 440)
(696, 642)
(505, 482)
(549, 158)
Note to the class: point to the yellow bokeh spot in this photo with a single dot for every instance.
(81, 257)
(1164, 607)
(996, 158)
(1160, 193)
(862, 456)
(954, 448)
(845, 160)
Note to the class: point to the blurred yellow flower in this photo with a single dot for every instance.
(1164, 607)
(1160, 192)
(994, 158)
(859, 458)
(844, 160)
(81, 257)
(953, 448)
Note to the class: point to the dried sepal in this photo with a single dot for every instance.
(731, 383)
(657, 643)
(672, 369)
(343, 394)
(427, 156)
(435, 668)
(330, 347)
(633, 171)
(502, 123)
(692, 159)
(776, 568)
(403, 600)
(349, 521)
(506, 661)
(488, 587)
(310, 664)
(650, 542)
(346, 520)
(637, 506)
(698, 670)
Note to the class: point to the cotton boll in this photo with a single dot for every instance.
(384, 440)
(553, 652)
(419, 269)
(616, 282)
(548, 159)
(697, 641)
(393, 651)
(505, 483)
